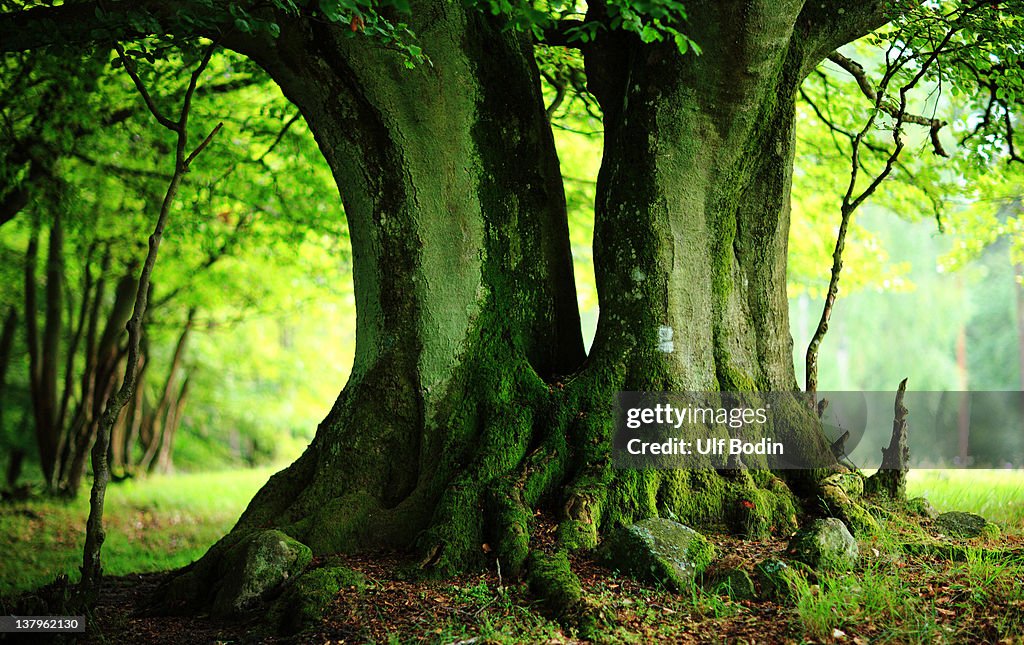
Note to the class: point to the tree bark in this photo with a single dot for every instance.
(463, 279)
(6, 344)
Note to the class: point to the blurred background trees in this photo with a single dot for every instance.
(251, 286)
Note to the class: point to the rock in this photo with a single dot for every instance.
(838, 493)
(304, 602)
(735, 583)
(779, 581)
(660, 551)
(921, 507)
(258, 564)
(850, 483)
(965, 525)
(825, 545)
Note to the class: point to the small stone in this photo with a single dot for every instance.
(779, 581)
(660, 551)
(824, 545)
(965, 525)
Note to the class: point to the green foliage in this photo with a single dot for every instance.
(256, 242)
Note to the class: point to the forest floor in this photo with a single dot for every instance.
(977, 596)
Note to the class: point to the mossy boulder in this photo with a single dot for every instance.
(254, 567)
(778, 580)
(965, 525)
(735, 583)
(304, 602)
(660, 551)
(837, 501)
(825, 545)
(850, 483)
(921, 507)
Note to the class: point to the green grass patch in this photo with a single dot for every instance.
(153, 524)
(998, 495)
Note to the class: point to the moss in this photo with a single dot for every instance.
(921, 507)
(303, 603)
(734, 583)
(552, 580)
(837, 503)
(757, 514)
(254, 567)
(965, 525)
(338, 524)
(513, 520)
(659, 551)
(778, 580)
(850, 483)
(825, 545)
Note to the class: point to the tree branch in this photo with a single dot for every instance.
(829, 24)
(854, 69)
(86, 23)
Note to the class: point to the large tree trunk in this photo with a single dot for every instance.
(690, 243)
(463, 279)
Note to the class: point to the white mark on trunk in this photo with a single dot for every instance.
(665, 343)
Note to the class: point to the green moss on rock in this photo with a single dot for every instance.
(254, 567)
(778, 580)
(734, 583)
(551, 579)
(965, 525)
(835, 501)
(850, 483)
(660, 551)
(824, 545)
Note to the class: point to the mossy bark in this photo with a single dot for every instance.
(691, 230)
(464, 290)
(469, 403)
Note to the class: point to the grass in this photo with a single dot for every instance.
(153, 524)
(998, 495)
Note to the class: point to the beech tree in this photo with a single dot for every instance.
(471, 401)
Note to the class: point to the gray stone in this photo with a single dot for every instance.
(660, 551)
(965, 525)
(824, 545)
(258, 564)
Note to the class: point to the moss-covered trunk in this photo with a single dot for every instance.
(692, 221)
(463, 279)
